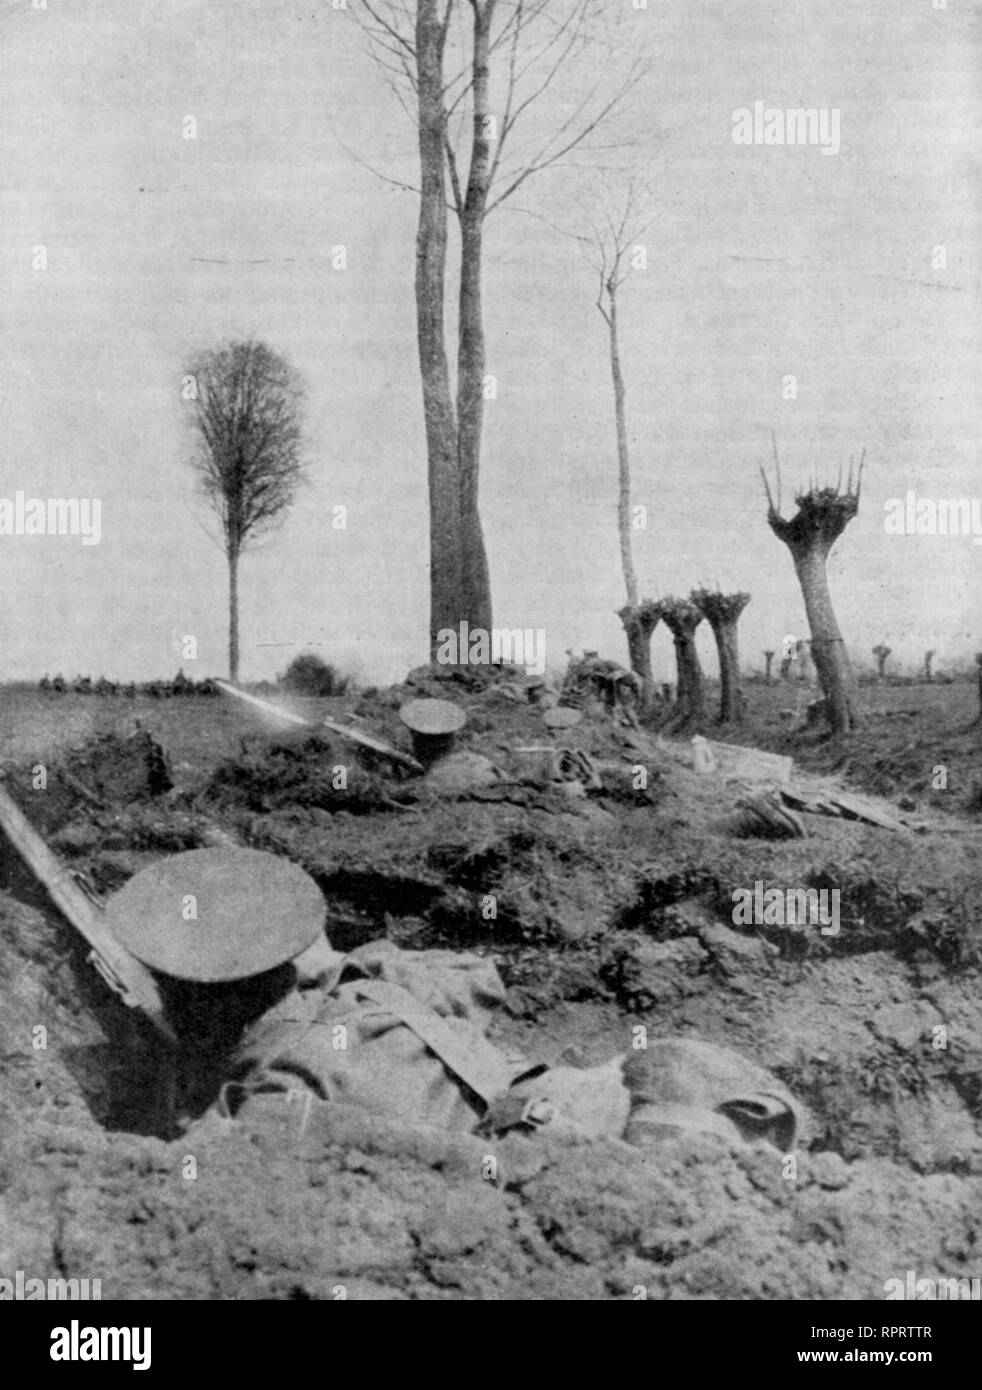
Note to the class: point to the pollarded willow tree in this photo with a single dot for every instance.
(822, 514)
(550, 74)
(682, 618)
(722, 612)
(881, 651)
(640, 622)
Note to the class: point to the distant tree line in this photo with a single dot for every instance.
(307, 674)
(181, 685)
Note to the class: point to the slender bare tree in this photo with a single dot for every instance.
(248, 411)
(821, 517)
(515, 54)
(613, 247)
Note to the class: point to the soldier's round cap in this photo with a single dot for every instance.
(432, 716)
(217, 914)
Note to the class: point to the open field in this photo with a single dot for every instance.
(908, 731)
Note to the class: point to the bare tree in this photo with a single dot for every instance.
(613, 250)
(516, 51)
(822, 515)
(249, 404)
(722, 612)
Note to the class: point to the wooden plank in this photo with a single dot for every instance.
(749, 764)
(858, 809)
(818, 805)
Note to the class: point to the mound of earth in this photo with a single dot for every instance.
(605, 915)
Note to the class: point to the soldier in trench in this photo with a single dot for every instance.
(297, 1029)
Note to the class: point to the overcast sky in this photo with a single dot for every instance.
(764, 261)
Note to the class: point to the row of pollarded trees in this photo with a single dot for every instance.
(821, 515)
(682, 617)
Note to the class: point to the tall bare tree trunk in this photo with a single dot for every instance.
(446, 530)
(733, 706)
(832, 663)
(723, 613)
(682, 618)
(623, 457)
(639, 624)
(821, 517)
(475, 596)
(639, 620)
(691, 695)
(233, 615)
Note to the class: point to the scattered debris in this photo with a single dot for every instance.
(538, 764)
(747, 764)
(592, 677)
(836, 803)
(855, 808)
(769, 819)
(562, 717)
(816, 803)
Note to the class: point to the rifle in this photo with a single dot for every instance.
(126, 976)
(355, 736)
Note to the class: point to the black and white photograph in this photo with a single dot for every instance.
(491, 662)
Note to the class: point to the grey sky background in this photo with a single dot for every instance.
(763, 261)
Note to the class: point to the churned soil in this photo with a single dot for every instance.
(613, 910)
